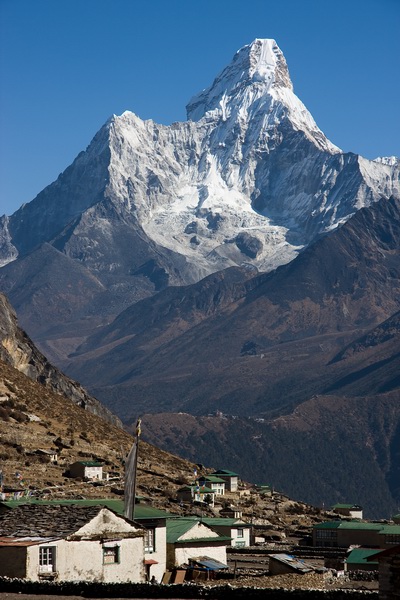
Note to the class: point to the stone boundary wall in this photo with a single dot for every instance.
(146, 590)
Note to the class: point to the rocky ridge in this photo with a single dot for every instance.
(18, 351)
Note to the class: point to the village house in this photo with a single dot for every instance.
(86, 469)
(389, 572)
(231, 479)
(195, 493)
(353, 511)
(151, 520)
(396, 519)
(188, 538)
(231, 512)
(348, 533)
(70, 543)
(361, 559)
(264, 489)
(237, 530)
(51, 455)
(217, 484)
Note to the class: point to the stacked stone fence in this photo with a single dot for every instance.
(147, 590)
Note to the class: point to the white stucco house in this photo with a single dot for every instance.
(235, 529)
(188, 538)
(87, 469)
(70, 543)
(353, 511)
(154, 524)
(216, 484)
(230, 478)
(195, 493)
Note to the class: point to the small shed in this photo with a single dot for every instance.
(87, 469)
(206, 566)
(280, 564)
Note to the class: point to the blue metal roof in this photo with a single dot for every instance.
(209, 563)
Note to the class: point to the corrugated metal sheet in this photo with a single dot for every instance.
(208, 563)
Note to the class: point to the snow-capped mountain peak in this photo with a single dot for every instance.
(256, 87)
(248, 180)
(260, 64)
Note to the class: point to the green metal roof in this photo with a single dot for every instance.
(328, 525)
(178, 526)
(349, 506)
(360, 525)
(390, 530)
(360, 555)
(354, 525)
(222, 522)
(90, 463)
(226, 473)
(212, 479)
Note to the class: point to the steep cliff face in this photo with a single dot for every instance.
(18, 351)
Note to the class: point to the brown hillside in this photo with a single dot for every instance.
(32, 418)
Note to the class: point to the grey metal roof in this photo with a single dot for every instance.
(291, 561)
(32, 520)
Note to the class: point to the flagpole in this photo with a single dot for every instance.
(130, 475)
(138, 432)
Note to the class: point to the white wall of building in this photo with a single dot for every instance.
(84, 561)
(159, 554)
(184, 553)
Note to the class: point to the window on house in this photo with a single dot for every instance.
(240, 533)
(149, 541)
(110, 555)
(392, 539)
(47, 555)
(326, 534)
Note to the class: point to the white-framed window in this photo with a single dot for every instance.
(240, 533)
(47, 556)
(111, 555)
(240, 544)
(150, 540)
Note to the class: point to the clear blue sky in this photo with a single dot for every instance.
(67, 65)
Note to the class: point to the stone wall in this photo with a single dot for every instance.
(98, 590)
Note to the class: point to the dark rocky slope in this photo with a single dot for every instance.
(256, 346)
(17, 350)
